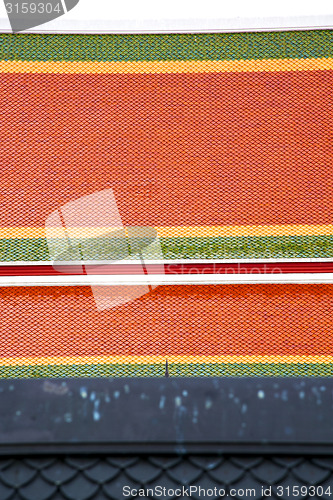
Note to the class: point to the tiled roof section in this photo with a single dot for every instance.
(97, 478)
(224, 330)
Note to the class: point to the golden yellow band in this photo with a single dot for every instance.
(83, 360)
(151, 67)
(174, 232)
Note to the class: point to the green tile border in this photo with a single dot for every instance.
(175, 370)
(168, 47)
(244, 247)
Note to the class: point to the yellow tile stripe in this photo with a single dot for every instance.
(147, 67)
(225, 231)
(83, 360)
(174, 232)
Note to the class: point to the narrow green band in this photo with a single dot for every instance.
(167, 47)
(175, 370)
(244, 247)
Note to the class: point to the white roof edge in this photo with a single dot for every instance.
(156, 280)
(226, 25)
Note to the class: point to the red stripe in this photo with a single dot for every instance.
(189, 268)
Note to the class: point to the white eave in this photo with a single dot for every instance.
(185, 16)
